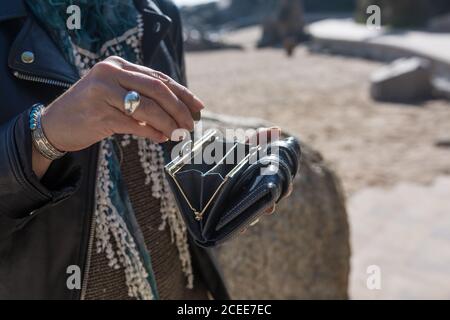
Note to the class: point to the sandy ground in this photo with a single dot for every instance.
(324, 100)
(407, 241)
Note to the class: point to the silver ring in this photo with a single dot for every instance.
(131, 102)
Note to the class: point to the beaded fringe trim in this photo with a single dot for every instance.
(85, 59)
(109, 224)
(152, 161)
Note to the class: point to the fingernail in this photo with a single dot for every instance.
(200, 102)
(275, 133)
(162, 139)
(275, 128)
(190, 126)
(179, 135)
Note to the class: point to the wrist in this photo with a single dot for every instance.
(50, 130)
(40, 164)
(39, 138)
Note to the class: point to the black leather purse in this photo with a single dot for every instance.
(221, 186)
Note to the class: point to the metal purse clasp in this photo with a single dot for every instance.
(181, 160)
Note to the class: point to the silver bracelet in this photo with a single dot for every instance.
(40, 141)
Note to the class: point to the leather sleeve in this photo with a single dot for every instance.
(178, 41)
(21, 192)
(176, 47)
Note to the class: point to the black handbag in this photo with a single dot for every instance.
(221, 187)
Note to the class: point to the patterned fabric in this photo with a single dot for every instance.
(114, 27)
(107, 28)
(167, 268)
(115, 220)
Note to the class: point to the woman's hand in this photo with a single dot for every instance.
(93, 108)
(268, 135)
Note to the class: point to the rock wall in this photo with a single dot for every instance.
(300, 252)
(404, 13)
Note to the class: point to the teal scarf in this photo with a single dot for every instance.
(102, 21)
(108, 27)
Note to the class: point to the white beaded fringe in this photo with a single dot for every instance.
(85, 60)
(152, 161)
(109, 225)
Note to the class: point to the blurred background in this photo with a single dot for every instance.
(369, 92)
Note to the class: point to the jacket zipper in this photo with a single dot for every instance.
(87, 265)
(28, 77)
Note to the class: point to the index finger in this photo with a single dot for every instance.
(183, 93)
(265, 135)
(156, 89)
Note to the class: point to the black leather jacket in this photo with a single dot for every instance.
(46, 226)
